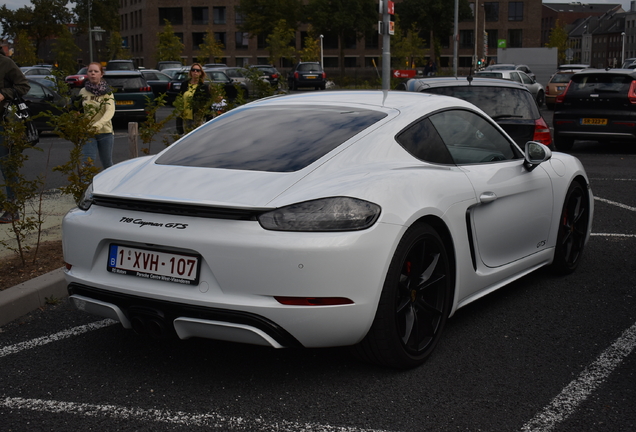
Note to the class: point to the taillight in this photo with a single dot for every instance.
(274, 76)
(145, 89)
(542, 132)
(295, 75)
(547, 90)
(324, 75)
(631, 94)
(559, 98)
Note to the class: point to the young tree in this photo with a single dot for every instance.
(558, 39)
(116, 48)
(311, 46)
(24, 51)
(104, 14)
(279, 42)
(342, 18)
(66, 51)
(170, 46)
(407, 47)
(211, 48)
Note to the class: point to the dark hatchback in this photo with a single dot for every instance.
(307, 74)
(508, 103)
(212, 77)
(42, 99)
(598, 105)
(269, 71)
(132, 94)
(157, 80)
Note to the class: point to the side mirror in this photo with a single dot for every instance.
(535, 154)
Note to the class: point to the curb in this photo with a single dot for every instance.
(30, 295)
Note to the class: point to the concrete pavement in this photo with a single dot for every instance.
(28, 296)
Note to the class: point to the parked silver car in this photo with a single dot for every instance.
(531, 84)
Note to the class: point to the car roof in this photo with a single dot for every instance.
(419, 84)
(123, 73)
(626, 72)
(572, 66)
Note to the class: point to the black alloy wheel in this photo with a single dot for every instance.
(415, 302)
(573, 226)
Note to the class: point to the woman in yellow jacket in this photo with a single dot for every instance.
(99, 103)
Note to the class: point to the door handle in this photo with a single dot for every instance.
(487, 197)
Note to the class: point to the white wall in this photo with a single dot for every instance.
(542, 62)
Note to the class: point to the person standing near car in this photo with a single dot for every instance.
(196, 99)
(12, 83)
(99, 103)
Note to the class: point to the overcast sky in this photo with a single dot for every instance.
(16, 4)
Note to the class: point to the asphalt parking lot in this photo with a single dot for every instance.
(545, 353)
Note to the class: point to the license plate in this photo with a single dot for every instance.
(154, 265)
(124, 103)
(311, 76)
(560, 88)
(594, 121)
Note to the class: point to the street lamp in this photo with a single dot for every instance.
(476, 10)
(623, 50)
(321, 59)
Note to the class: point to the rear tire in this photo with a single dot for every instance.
(415, 302)
(573, 226)
(540, 99)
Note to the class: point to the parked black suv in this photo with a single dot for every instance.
(508, 103)
(597, 105)
(270, 72)
(307, 74)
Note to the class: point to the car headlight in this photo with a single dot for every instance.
(325, 214)
(87, 199)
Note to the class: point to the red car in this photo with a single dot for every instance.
(77, 80)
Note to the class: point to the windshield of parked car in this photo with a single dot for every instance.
(608, 83)
(561, 78)
(125, 83)
(497, 102)
(271, 138)
(309, 67)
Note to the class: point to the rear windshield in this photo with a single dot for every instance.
(125, 83)
(601, 83)
(497, 102)
(275, 139)
(490, 75)
(561, 78)
(309, 67)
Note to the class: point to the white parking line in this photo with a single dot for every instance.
(589, 380)
(75, 331)
(623, 206)
(208, 420)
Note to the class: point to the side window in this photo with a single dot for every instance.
(515, 76)
(36, 90)
(470, 139)
(526, 79)
(423, 142)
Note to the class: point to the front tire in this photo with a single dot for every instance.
(415, 302)
(540, 99)
(572, 233)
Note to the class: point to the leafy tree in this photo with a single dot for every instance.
(558, 39)
(44, 21)
(24, 51)
(66, 51)
(104, 14)
(278, 42)
(407, 47)
(116, 48)
(434, 16)
(170, 46)
(211, 48)
(342, 17)
(311, 49)
(260, 17)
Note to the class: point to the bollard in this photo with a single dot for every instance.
(133, 138)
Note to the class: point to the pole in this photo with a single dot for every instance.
(623, 49)
(456, 37)
(476, 10)
(90, 34)
(386, 48)
(322, 64)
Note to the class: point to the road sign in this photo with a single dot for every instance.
(391, 7)
(404, 73)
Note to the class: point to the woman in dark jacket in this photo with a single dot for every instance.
(12, 83)
(196, 100)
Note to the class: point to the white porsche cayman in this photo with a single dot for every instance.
(325, 219)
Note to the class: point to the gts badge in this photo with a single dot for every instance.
(142, 223)
(541, 244)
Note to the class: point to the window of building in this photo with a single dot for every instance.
(174, 16)
(465, 61)
(351, 62)
(197, 39)
(491, 9)
(515, 11)
(515, 38)
(242, 62)
(241, 40)
(372, 40)
(330, 41)
(200, 16)
(219, 15)
(466, 38)
(331, 62)
(261, 41)
(220, 36)
(350, 41)
(493, 37)
(238, 18)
